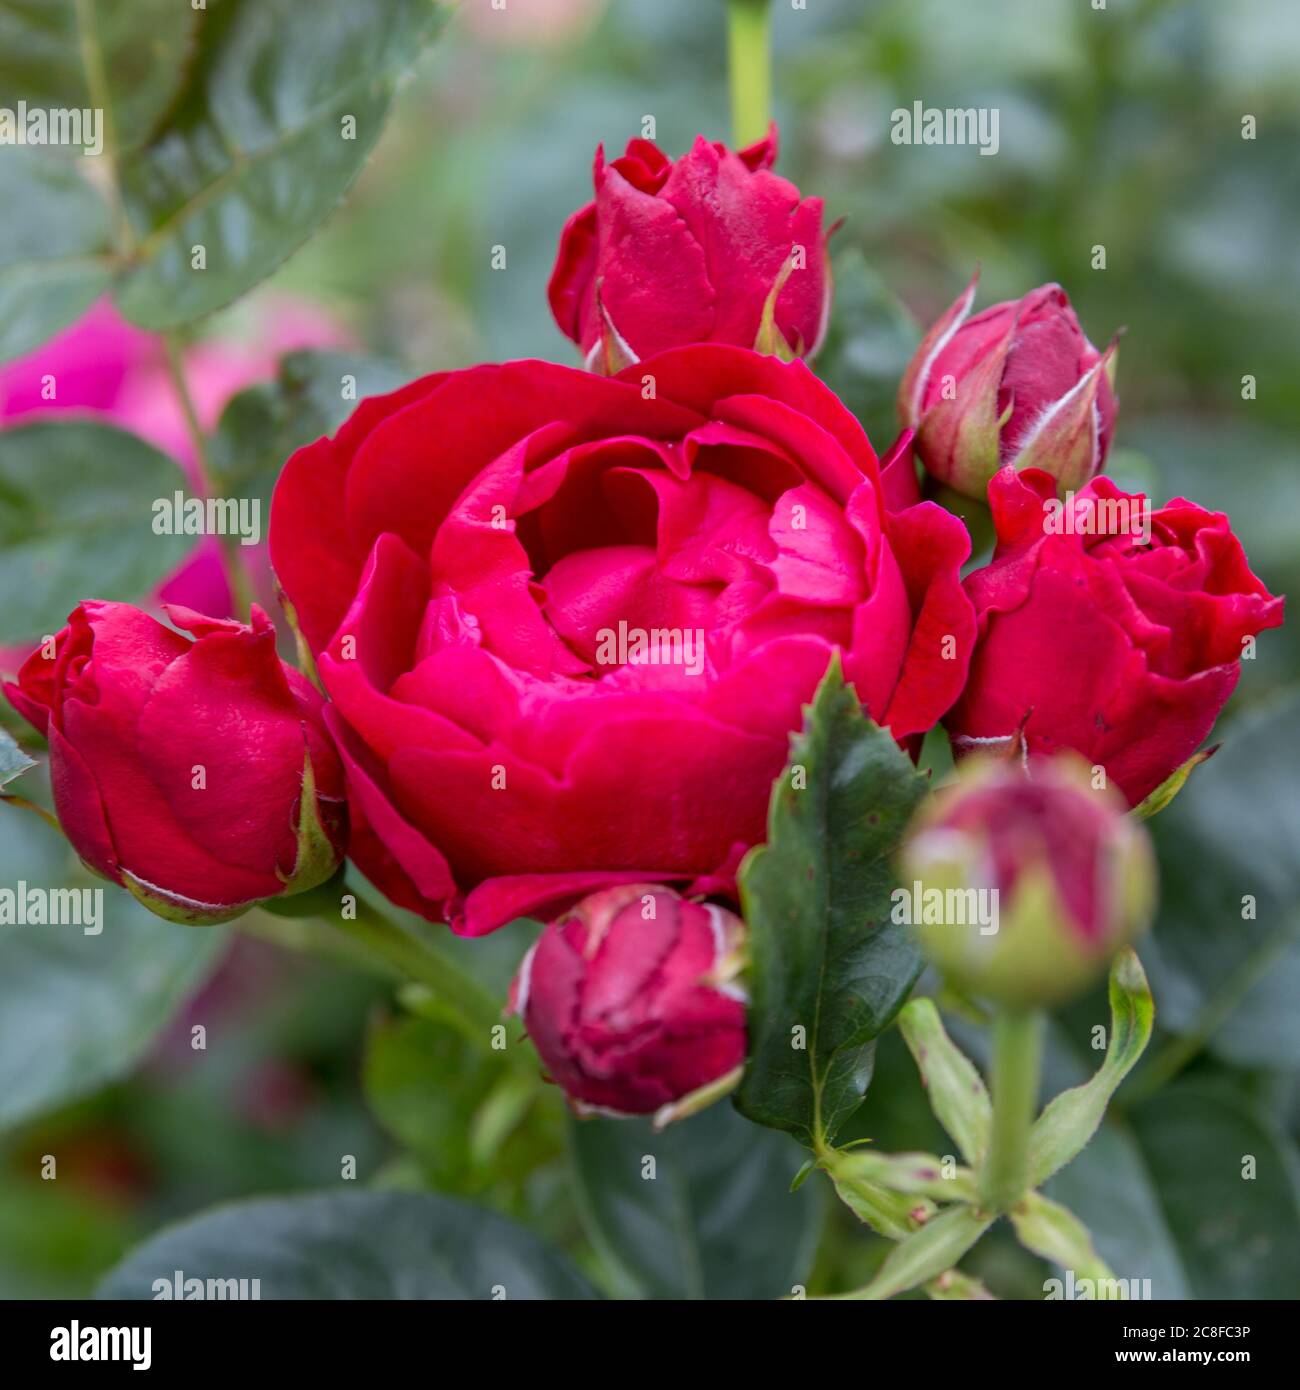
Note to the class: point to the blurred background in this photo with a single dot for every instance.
(1120, 127)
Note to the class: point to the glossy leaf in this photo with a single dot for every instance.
(127, 60)
(1224, 958)
(55, 259)
(283, 105)
(79, 1010)
(829, 968)
(354, 1245)
(76, 522)
(1226, 1182)
(713, 1217)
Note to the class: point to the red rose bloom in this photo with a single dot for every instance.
(630, 999)
(567, 622)
(1097, 639)
(178, 766)
(690, 251)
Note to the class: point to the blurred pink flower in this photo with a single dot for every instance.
(103, 367)
(530, 21)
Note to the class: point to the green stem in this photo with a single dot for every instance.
(1017, 1051)
(236, 574)
(749, 59)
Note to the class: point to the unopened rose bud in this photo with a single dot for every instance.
(631, 1000)
(1018, 384)
(1025, 881)
(712, 247)
(197, 774)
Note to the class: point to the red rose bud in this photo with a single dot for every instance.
(1023, 883)
(712, 247)
(1107, 627)
(1018, 384)
(197, 774)
(630, 1000)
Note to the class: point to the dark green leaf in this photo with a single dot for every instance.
(78, 1010)
(354, 1245)
(1224, 958)
(716, 1219)
(1110, 1189)
(284, 104)
(55, 256)
(76, 522)
(830, 970)
(1226, 1184)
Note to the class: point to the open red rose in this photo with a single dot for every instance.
(179, 767)
(1097, 638)
(692, 250)
(482, 560)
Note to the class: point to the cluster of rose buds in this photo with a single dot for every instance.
(565, 620)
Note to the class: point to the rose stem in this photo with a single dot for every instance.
(1017, 1049)
(235, 572)
(749, 45)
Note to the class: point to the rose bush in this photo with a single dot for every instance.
(476, 560)
(181, 769)
(1018, 384)
(699, 249)
(1092, 637)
